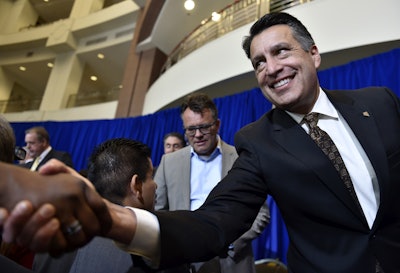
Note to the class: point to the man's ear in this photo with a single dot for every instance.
(316, 56)
(136, 187)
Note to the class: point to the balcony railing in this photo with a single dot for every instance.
(80, 99)
(10, 106)
(94, 97)
(238, 14)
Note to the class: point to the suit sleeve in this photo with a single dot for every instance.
(228, 212)
(240, 245)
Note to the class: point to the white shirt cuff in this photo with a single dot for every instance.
(146, 242)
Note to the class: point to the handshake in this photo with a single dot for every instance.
(57, 210)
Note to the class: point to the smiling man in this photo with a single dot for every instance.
(339, 220)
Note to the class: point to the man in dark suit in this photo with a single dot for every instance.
(330, 231)
(37, 141)
(331, 228)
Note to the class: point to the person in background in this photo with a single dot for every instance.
(335, 224)
(121, 171)
(37, 141)
(173, 141)
(186, 177)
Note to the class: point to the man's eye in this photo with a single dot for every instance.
(283, 52)
(259, 65)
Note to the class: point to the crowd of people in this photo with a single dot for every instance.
(339, 202)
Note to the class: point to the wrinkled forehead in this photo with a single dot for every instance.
(270, 38)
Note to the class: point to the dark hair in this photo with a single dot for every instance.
(198, 103)
(7, 141)
(299, 31)
(177, 135)
(112, 165)
(41, 133)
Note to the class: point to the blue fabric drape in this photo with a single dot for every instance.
(235, 111)
(378, 70)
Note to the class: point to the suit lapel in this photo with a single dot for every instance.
(45, 159)
(185, 178)
(299, 144)
(229, 156)
(362, 122)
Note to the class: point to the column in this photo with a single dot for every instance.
(5, 89)
(18, 16)
(64, 81)
(83, 8)
(142, 68)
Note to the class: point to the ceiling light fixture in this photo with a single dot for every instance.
(100, 56)
(189, 5)
(22, 68)
(50, 65)
(93, 78)
(215, 16)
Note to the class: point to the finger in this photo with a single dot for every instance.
(53, 166)
(47, 237)
(58, 244)
(74, 234)
(39, 219)
(16, 220)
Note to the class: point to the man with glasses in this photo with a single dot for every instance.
(186, 177)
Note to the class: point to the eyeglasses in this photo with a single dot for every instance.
(204, 129)
(19, 153)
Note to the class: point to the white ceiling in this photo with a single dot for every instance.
(172, 25)
(174, 22)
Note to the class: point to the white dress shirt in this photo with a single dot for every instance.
(357, 163)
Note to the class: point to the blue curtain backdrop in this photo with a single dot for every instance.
(80, 137)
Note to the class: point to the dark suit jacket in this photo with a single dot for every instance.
(173, 193)
(60, 155)
(276, 156)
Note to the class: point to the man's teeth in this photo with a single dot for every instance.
(280, 83)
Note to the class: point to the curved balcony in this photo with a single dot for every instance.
(210, 59)
(342, 29)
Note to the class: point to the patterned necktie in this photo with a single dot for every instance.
(325, 143)
(35, 164)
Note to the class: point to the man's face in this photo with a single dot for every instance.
(205, 140)
(172, 144)
(34, 146)
(285, 72)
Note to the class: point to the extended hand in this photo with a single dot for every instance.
(80, 211)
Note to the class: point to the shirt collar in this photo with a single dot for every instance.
(322, 106)
(217, 151)
(44, 153)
